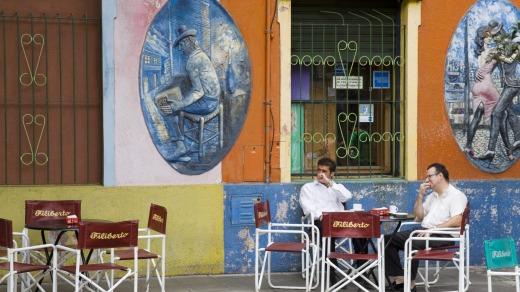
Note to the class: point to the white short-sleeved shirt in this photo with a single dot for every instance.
(315, 198)
(440, 208)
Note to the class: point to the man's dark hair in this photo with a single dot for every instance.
(440, 168)
(325, 161)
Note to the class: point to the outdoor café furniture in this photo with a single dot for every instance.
(501, 254)
(344, 244)
(100, 235)
(424, 276)
(45, 216)
(18, 269)
(352, 225)
(455, 253)
(156, 229)
(267, 241)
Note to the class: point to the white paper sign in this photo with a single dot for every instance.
(352, 82)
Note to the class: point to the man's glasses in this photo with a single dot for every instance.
(430, 175)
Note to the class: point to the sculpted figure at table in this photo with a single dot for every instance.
(201, 99)
(442, 208)
(325, 195)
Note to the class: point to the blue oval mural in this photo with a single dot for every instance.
(195, 84)
(482, 85)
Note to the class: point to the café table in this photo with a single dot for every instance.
(399, 219)
(391, 218)
(62, 226)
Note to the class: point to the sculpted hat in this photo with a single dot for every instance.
(494, 27)
(183, 32)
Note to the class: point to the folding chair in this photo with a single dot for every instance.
(263, 218)
(95, 235)
(156, 230)
(342, 244)
(40, 210)
(438, 268)
(500, 254)
(352, 225)
(14, 267)
(455, 253)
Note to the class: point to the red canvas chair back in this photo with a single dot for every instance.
(351, 224)
(6, 233)
(262, 213)
(157, 218)
(93, 235)
(36, 210)
(465, 219)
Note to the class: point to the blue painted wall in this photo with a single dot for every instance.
(495, 207)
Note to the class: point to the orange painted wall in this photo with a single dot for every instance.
(435, 140)
(251, 19)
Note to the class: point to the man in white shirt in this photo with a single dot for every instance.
(442, 208)
(323, 195)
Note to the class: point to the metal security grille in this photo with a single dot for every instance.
(50, 100)
(346, 97)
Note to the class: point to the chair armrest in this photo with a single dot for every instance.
(309, 218)
(447, 231)
(26, 248)
(66, 248)
(151, 236)
(409, 223)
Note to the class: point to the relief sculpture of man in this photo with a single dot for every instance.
(203, 96)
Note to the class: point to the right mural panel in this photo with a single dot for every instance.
(481, 85)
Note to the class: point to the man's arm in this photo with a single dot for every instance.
(306, 203)
(454, 221)
(418, 209)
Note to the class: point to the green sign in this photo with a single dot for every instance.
(500, 253)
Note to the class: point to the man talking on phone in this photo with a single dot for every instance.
(440, 209)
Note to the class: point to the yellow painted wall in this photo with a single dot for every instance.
(195, 243)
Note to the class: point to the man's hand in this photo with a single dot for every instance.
(324, 179)
(424, 187)
(479, 76)
(166, 109)
(176, 105)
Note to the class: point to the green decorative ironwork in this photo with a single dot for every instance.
(342, 45)
(37, 40)
(28, 158)
(350, 150)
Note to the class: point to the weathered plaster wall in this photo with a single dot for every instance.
(495, 205)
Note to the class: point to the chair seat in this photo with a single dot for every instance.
(93, 267)
(22, 268)
(286, 247)
(350, 256)
(437, 255)
(128, 254)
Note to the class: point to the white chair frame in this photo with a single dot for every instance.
(426, 282)
(459, 259)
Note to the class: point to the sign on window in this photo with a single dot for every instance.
(381, 79)
(350, 82)
(366, 113)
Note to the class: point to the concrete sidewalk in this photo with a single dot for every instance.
(243, 283)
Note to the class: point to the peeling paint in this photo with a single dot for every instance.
(495, 205)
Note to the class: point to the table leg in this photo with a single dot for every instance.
(386, 244)
(49, 255)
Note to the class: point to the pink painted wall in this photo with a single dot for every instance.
(137, 160)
